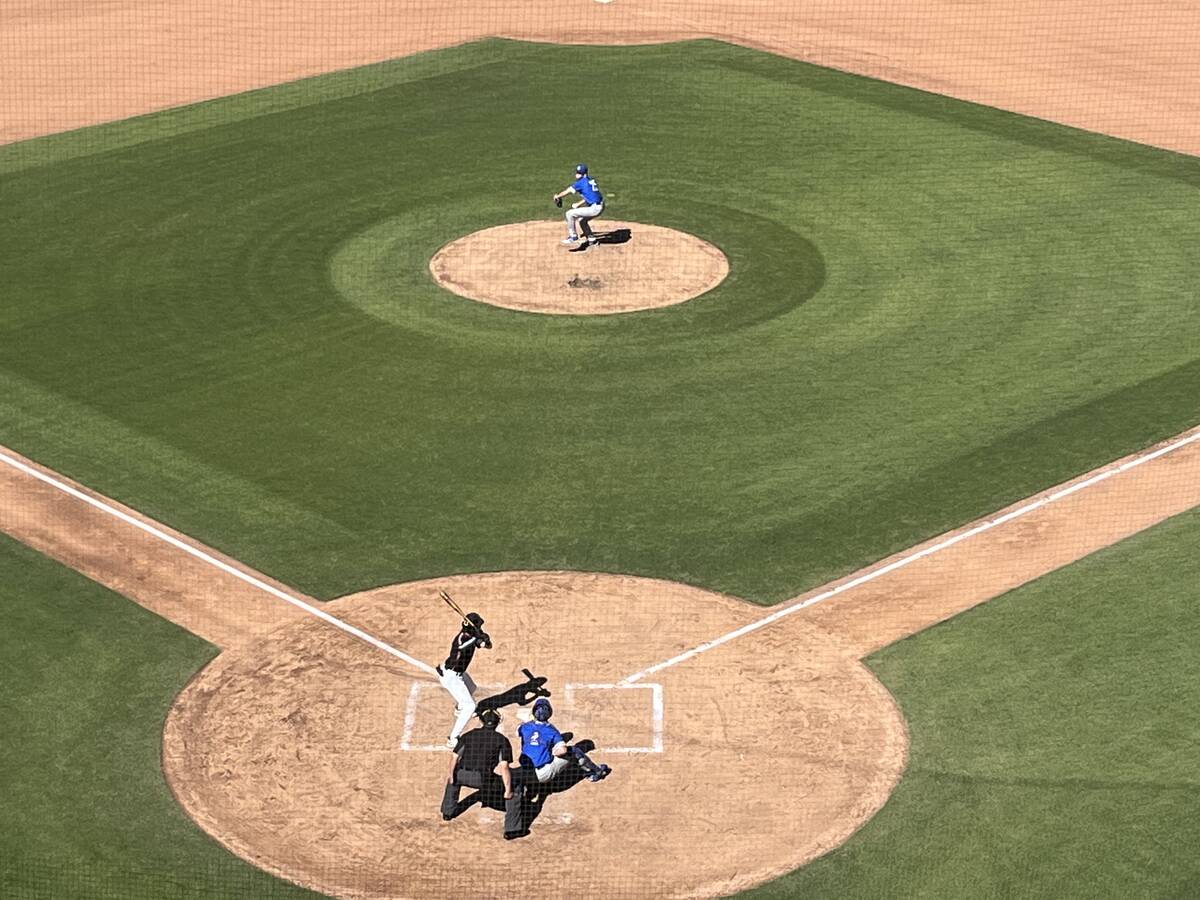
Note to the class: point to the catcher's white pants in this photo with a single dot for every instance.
(552, 768)
(462, 689)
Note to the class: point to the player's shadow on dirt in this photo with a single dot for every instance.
(535, 794)
(617, 236)
(533, 805)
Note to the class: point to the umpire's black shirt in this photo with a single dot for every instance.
(482, 749)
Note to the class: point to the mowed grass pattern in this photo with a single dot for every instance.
(934, 309)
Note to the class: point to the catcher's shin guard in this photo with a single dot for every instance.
(588, 766)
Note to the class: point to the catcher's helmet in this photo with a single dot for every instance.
(542, 710)
(581, 169)
(489, 717)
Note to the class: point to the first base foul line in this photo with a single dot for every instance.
(213, 561)
(903, 561)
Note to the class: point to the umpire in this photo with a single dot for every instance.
(481, 761)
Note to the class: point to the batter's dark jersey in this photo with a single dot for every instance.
(482, 749)
(462, 650)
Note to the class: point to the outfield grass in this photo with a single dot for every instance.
(934, 309)
(1054, 734)
(87, 678)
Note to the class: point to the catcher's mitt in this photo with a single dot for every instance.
(558, 202)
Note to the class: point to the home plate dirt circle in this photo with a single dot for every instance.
(631, 267)
(314, 755)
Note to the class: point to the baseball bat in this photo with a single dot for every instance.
(454, 606)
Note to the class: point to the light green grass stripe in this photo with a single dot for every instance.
(37, 421)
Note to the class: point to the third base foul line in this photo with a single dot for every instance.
(213, 561)
(920, 554)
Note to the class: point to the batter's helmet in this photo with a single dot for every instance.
(542, 710)
(475, 619)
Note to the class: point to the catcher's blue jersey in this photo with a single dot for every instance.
(538, 740)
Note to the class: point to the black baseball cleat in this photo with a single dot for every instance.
(513, 835)
(600, 774)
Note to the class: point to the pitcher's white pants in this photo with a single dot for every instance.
(462, 689)
(580, 215)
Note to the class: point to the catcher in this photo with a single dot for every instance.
(545, 749)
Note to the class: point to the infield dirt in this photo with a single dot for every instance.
(1129, 71)
(289, 748)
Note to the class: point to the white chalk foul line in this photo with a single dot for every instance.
(920, 554)
(217, 563)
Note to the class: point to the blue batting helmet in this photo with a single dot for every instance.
(542, 710)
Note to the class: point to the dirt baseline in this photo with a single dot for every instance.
(631, 267)
(313, 756)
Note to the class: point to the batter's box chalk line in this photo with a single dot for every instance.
(656, 714)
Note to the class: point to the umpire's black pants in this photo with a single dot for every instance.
(491, 789)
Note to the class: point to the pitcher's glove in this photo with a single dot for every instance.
(558, 202)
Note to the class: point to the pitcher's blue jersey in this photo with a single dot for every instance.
(587, 187)
(537, 741)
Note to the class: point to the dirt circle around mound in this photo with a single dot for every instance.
(631, 267)
(314, 755)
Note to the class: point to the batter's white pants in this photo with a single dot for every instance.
(462, 689)
(580, 214)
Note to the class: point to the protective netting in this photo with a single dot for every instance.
(1128, 69)
(1006, 251)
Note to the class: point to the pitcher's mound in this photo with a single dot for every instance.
(631, 266)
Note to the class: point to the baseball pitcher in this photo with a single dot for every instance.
(589, 205)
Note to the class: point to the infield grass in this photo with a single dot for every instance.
(934, 309)
(1053, 742)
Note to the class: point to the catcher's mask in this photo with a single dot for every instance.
(542, 710)
(490, 718)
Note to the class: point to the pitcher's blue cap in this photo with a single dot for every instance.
(581, 169)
